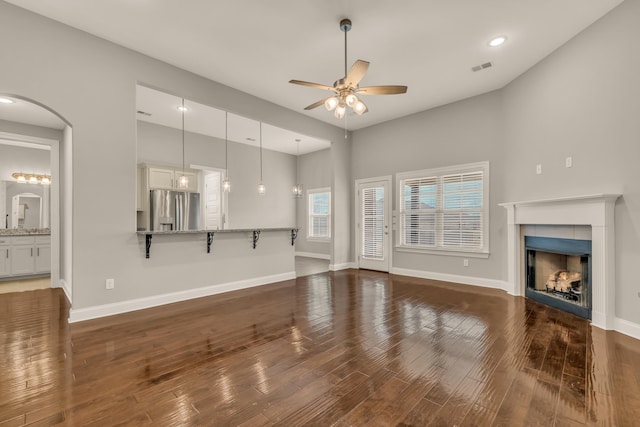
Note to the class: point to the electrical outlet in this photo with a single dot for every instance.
(465, 262)
(539, 168)
(568, 162)
(110, 284)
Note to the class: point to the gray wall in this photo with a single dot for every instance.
(463, 132)
(583, 101)
(314, 171)
(91, 83)
(246, 209)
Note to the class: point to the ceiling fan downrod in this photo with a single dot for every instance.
(345, 26)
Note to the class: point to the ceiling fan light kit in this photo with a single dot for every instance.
(346, 88)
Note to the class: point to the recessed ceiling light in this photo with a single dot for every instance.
(7, 101)
(497, 41)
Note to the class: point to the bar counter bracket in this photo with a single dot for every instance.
(209, 241)
(256, 237)
(294, 236)
(148, 244)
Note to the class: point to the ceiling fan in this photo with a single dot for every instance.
(346, 89)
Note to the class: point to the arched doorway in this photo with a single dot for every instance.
(27, 124)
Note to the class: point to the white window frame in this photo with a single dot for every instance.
(481, 252)
(309, 215)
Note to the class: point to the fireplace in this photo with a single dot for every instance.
(596, 211)
(558, 273)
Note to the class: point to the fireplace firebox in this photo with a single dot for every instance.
(558, 273)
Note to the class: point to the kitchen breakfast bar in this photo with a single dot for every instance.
(254, 232)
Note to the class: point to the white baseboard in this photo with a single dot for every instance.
(314, 255)
(627, 328)
(465, 280)
(66, 288)
(156, 300)
(343, 266)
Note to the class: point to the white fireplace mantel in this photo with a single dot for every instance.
(595, 210)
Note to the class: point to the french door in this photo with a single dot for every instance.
(374, 212)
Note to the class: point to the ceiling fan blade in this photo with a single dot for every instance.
(356, 73)
(316, 85)
(382, 90)
(316, 104)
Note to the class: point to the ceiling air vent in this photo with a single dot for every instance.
(144, 113)
(481, 66)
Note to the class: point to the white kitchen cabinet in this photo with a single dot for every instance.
(22, 260)
(161, 179)
(25, 255)
(167, 179)
(42, 254)
(5, 264)
(43, 259)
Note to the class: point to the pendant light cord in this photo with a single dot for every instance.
(226, 143)
(182, 136)
(260, 152)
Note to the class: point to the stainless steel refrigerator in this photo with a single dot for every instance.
(174, 210)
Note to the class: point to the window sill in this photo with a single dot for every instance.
(443, 252)
(319, 239)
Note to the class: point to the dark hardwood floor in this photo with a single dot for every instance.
(348, 348)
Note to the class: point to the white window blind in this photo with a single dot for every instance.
(319, 214)
(445, 210)
(373, 222)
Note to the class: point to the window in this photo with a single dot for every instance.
(445, 209)
(319, 214)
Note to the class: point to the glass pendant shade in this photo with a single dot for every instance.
(183, 181)
(340, 110)
(331, 103)
(359, 108)
(262, 189)
(21, 179)
(298, 191)
(351, 99)
(226, 185)
(33, 180)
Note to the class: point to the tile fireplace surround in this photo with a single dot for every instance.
(594, 210)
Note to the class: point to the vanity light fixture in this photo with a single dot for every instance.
(31, 178)
(183, 181)
(261, 188)
(226, 184)
(298, 190)
(7, 101)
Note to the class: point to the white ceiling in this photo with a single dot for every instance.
(258, 46)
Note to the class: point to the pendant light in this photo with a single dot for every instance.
(297, 189)
(183, 181)
(261, 188)
(226, 184)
